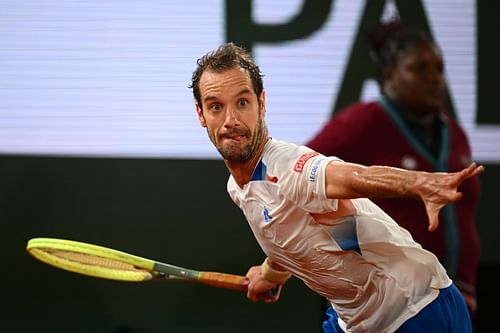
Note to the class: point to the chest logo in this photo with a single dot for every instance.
(272, 179)
(267, 217)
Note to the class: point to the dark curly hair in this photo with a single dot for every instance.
(225, 57)
(389, 42)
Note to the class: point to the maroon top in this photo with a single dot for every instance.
(375, 134)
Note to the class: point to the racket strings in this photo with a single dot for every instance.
(92, 260)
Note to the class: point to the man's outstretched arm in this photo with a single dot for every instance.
(435, 189)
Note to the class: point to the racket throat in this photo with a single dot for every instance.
(171, 272)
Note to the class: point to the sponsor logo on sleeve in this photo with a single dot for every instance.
(299, 165)
(314, 170)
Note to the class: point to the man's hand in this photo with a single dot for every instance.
(261, 289)
(438, 189)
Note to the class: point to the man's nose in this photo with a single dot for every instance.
(231, 118)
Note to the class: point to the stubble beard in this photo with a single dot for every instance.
(235, 154)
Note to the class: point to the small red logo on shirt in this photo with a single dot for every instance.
(299, 165)
(272, 179)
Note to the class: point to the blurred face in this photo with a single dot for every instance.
(417, 81)
(232, 113)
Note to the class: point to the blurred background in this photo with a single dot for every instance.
(99, 142)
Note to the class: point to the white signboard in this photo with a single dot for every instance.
(109, 78)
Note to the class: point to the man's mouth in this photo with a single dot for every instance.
(236, 136)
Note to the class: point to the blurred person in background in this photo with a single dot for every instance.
(409, 128)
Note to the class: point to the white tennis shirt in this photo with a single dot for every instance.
(349, 251)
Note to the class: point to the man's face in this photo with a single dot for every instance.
(417, 81)
(232, 113)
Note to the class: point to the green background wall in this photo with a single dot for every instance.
(175, 211)
(171, 210)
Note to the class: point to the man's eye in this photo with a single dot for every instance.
(242, 102)
(216, 107)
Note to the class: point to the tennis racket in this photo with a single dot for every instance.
(102, 262)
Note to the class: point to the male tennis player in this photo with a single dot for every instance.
(311, 216)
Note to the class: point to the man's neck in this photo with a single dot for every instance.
(242, 171)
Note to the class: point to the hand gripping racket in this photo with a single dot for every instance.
(102, 262)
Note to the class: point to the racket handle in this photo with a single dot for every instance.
(223, 280)
(231, 281)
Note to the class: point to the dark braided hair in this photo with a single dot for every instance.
(225, 57)
(389, 42)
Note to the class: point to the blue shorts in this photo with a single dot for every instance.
(446, 314)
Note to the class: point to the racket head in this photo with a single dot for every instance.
(90, 259)
(102, 262)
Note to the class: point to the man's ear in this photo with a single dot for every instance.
(201, 118)
(262, 103)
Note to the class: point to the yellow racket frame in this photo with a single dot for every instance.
(45, 249)
(103, 262)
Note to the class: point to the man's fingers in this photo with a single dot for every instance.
(471, 171)
(477, 170)
(452, 195)
(252, 296)
(456, 196)
(433, 219)
(432, 226)
(273, 295)
(269, 296)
